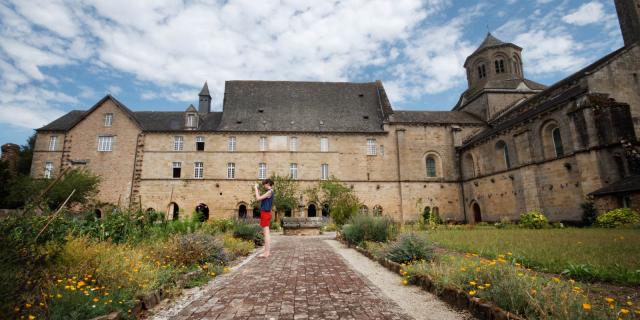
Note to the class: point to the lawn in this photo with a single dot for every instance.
(588, 254)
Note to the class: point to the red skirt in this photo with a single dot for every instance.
(265, 218)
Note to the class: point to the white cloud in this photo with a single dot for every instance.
(588, 13)
(114, 89)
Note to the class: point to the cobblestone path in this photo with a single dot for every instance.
(302, 279)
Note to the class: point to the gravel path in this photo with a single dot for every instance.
(416, 302)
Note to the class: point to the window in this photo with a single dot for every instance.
(293, 170)
(382, 150)
(293, 144)
(262, 170)
(48, 170)
(557, 142)
(108, 119)
(377, 210)
(324, 145)
(502, 155)
(198, 170)
(364, 210)
(231, 170)
(232, 144)
(178, 143)
(431, 166)
(200, 143)
(53, 142)
(177, 169)
(482, 72)
(371, 147)
(499, 66)
(192, 120)
(324, 171)
(263, 143)
(105, 143)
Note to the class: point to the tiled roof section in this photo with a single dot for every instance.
(205, 90)
(434, 117)
(504, 84)
(65, 122)
(302, 107)
(488, 42)
(174, 120)
(626, 185)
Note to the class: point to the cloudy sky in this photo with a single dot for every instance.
(57, 56)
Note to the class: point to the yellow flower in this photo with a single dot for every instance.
(487, 285)
(31, 317)
(629, 303)
(609, 300)
(81, 283)
(509, 253)
(556, 279)
(58, 296)
(480, 287)
(405, 282)
(463, 269)
(27, 305)
(473, 283)
(586, 306)
(472, 293)
(96, 299)
(624, 311)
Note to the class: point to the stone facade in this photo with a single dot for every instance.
(510, 145)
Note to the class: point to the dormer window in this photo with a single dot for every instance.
(482, 72)
(192, 120)
(499, 66)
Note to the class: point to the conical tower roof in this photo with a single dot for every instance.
(205, 90)
(489, 41)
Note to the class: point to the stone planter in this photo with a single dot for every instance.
(301, 226)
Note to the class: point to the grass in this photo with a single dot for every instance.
(611, 255)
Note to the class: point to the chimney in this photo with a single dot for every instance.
(629, 18)
(10, 154)
(205, 99)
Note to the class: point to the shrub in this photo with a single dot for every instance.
(189, 249)
(236, 247)
(362, 228)
(248, 231)
(216, 226)
(589, 213)
(533, 220)
(504, 223)
(410, 247)
(618, 218)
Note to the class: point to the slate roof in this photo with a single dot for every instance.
(489, 42)
(497, 84)
(205, 90)
(65, 122)
(628, 184)
(283, 106)
(434, 117)
(174, 120)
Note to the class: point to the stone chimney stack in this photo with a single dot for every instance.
(629, 18)
(205, 99)
(10, 154)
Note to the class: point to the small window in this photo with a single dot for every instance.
(192, 120)
(293, 144)
(499, 66)
(198, 170)
(108, 119)
(324, 174)
(262, 170)
(231, 170)
(178, 143)
(263, 143)
(48, 170)
(53, 142)
(482, 72)
(381, 150)
(431, 167)
(200, 143)
(293, 170)
(557, 142)
(364, 210)
(377, 210)
(371, 147)
(324, 145)
(105, 143)
(232, 144)
(177, 169)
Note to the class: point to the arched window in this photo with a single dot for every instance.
(502, 156)
(431, 166)
(311, 210)
(469, 166)
(482, 72)
(557, 142)
(377, 210)
(499, 65)
(364, 209)
(98, 214)
(203, 212)
(426, 213)
(242, 211)
(516, 65)
(174, 211)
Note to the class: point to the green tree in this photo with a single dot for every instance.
(286, 191)
(26, 155)
(343, 202)
(5, 184)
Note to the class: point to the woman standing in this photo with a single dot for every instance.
(266, 202)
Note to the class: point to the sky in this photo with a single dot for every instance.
(57, 56)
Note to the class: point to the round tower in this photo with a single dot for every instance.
(493, 60)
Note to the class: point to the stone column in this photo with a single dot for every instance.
(10, 155)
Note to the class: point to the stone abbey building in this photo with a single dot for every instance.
(509, 145)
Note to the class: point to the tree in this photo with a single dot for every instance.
(5, 184)
(286, 191)
(26, 155)
(343, 202)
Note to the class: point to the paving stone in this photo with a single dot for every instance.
(302, 279)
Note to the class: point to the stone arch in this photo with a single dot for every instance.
(502, 156)
(432, 164)
(479, 68)
(203, 209)
(98, 213)
(517, 64)
(553, 145)
(242, 210)
(174, 211)
(312, 210)
(150, 209)
(377, 210)
(476, 211)
(364, 209)
(500, 63)
(469, 167)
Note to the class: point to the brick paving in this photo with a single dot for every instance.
(302, 279)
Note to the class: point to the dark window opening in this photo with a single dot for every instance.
(242, 211)
(311, 211)
(203, 212)
(256, 213)
(287, 212)
(477, 215)
(176, 172)
(557, 142)
(499, 66)
(482, 72)
(175, 211)
(200, 146)
(98, 214)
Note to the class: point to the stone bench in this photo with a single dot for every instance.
(302, 226)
